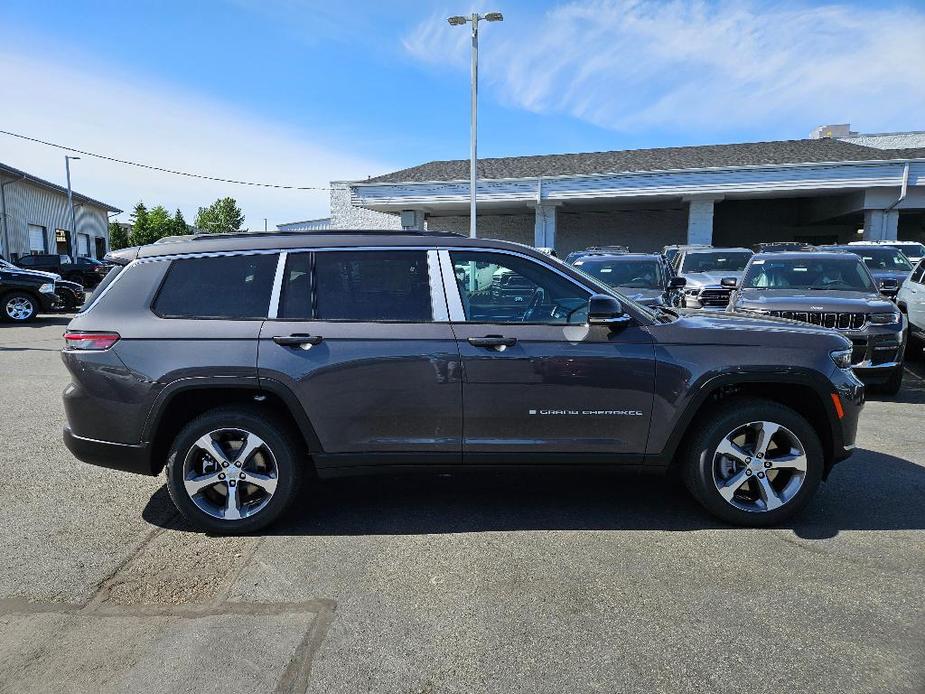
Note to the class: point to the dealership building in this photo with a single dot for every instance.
(34, 218)
(835, 186)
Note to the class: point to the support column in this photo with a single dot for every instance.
(700, 218)
(544, 229)
(881, 225)
(413, 220)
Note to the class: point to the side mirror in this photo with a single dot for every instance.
(677, 282)
(729, 282)
(604, 309)
(889, 284)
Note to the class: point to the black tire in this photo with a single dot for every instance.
(697, 458)
(8, 313)
(284, 446)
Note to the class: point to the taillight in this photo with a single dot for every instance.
(82, 340)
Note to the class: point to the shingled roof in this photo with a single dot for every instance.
(658, 159)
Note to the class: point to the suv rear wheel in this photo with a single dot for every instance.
(753, 462)
(233, 470)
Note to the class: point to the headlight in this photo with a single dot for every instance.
(692, 292)
(885, 318)
(842, 358)
(47, 288)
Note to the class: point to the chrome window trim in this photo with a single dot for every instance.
(438, 304)
(270, 251)
(275, 292)
(454, 301)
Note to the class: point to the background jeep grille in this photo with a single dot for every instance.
(714, 297)
(841, 321)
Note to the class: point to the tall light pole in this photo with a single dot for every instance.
(70, 205)
(474, 19)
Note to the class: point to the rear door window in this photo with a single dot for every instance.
(233, 287)
(370, 286)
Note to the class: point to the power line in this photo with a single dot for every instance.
(161, 169)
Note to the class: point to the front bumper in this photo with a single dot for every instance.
(134, 458)
(850, 391)
(716, 298)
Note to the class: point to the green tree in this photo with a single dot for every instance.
(139, 234)
(150, 225)
(180, 226)
(118, 236)
(222, 215)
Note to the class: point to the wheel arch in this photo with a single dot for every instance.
(806, 392)
(181, 401)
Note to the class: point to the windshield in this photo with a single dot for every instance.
(715, 261)
(913, 250)
(882, 258)
(628, 273)
(844, 273)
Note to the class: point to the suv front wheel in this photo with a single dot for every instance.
(233, 470)
(753, 462)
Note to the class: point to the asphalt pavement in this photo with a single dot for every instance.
(499, 582)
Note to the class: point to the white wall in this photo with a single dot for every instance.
(31, 204)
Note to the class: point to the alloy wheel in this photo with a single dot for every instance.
(230, 474)
(19, 308)
(759, 466)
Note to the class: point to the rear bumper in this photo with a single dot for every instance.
(134, 458)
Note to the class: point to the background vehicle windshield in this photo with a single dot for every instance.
(625, 272)
(845, 273)
(916, 250)
(882, 258)
(715, 261)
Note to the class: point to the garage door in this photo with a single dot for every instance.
(37, 239)
(83, 245)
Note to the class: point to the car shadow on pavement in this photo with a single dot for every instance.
(870, 491)
(913, 391)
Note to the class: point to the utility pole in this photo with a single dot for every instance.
(70, 205)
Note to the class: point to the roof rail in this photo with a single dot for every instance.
(324, 232)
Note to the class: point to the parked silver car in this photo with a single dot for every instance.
(911, 301)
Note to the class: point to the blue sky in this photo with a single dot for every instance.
(304, 92)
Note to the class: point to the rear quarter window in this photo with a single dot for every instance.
(235, 287)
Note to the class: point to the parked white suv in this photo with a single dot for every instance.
(911, 301)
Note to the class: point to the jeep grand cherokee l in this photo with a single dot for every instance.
(834, 290)
(242, 362)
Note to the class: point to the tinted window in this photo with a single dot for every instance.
(372, 286)
(881, 257)
(27, 261)
(101, 287)
(234, 286)
(295, 299)
(502, 288)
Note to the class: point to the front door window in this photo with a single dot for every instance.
(504, 288)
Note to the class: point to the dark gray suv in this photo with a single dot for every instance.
(243, 362)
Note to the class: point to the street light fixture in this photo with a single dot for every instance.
(70, 205)
(474, 19)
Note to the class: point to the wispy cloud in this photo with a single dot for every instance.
(704, 67)
(131, 117)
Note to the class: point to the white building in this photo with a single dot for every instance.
(34, 218)
(821, 189)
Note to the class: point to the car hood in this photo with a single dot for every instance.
(34, 274)
(646, 297)
(709, 279)
(809, 300)
(743, 329)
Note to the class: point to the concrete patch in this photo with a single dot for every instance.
(229, 648)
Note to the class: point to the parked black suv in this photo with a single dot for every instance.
(833, 290)
(644, 277)
(23, 294)
(86, 271)
(888, 266)
(71, 295)
(240, 362)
